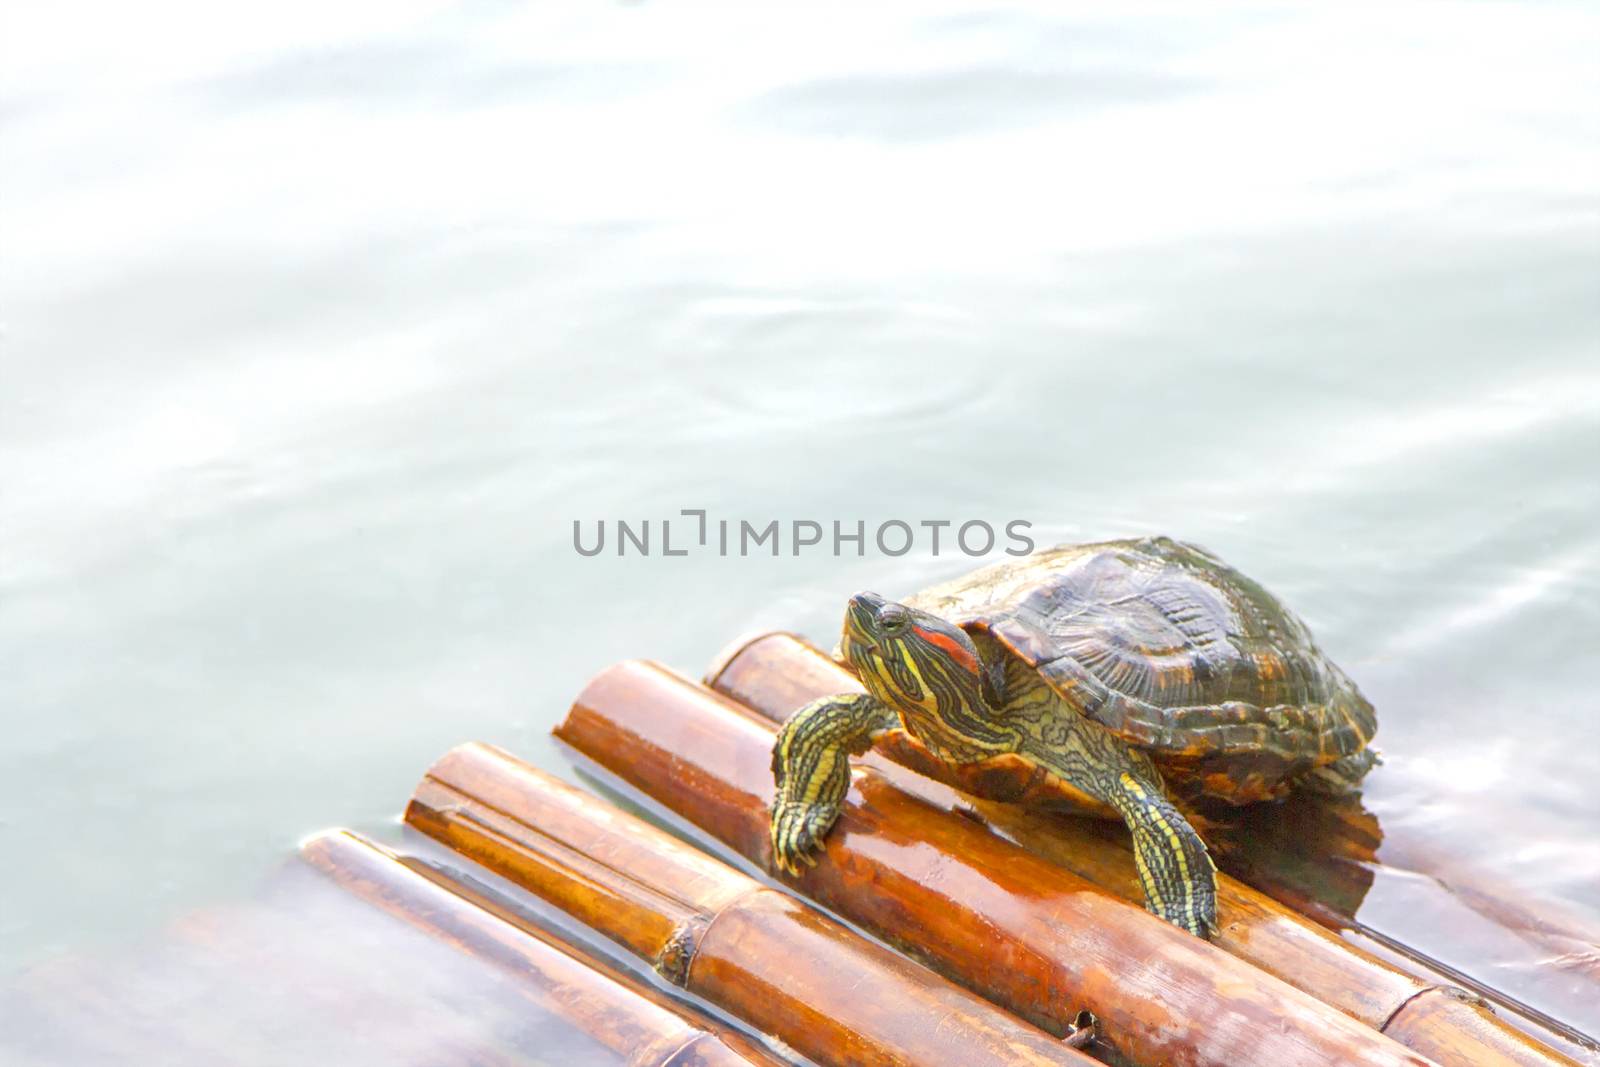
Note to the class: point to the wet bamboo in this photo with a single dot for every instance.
(1320, 856)
(1027, 934)
(1560, 930)
(638, 1027)
(752, 950)
(775, 673)
(499, 908)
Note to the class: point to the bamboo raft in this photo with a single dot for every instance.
(1311, 944)
(937, 930)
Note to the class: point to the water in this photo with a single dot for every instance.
(322, 326)
(306, 971)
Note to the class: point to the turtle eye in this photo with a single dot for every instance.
(894, 620)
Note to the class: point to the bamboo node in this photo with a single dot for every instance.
(1083, 1031)
(678, 953)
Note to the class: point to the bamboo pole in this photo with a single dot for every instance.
(1319, 857)
(680, 1006)
(775, 673)
(298, 972)
(754, 951)
(640, 1028)
(1028, 935)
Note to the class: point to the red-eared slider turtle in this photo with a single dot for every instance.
(1132, 673)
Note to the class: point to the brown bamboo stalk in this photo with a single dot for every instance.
(292, 974)
(1028, 935)
(775, 673)
(499, 909)
(637, 1026)
(754, 951)
(1319, 857)
(1558, 929)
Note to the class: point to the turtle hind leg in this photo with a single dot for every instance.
(1175, 870)
(811, 765)
(1342, 777)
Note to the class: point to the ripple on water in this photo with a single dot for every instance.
(832, 361)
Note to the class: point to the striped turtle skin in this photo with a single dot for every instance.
(1177, 654)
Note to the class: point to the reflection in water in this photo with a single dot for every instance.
(307, 974)
(1330, 859)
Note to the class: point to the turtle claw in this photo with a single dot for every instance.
(796, 834)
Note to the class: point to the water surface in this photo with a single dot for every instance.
(321, 326)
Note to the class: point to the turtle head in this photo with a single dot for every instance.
(910, 658)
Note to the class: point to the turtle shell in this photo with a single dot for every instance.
(1175, 652)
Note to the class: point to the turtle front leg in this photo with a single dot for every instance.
(1175, 870)
(811, 765)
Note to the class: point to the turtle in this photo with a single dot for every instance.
(1138, 677)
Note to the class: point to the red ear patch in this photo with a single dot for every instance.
(958, 652)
